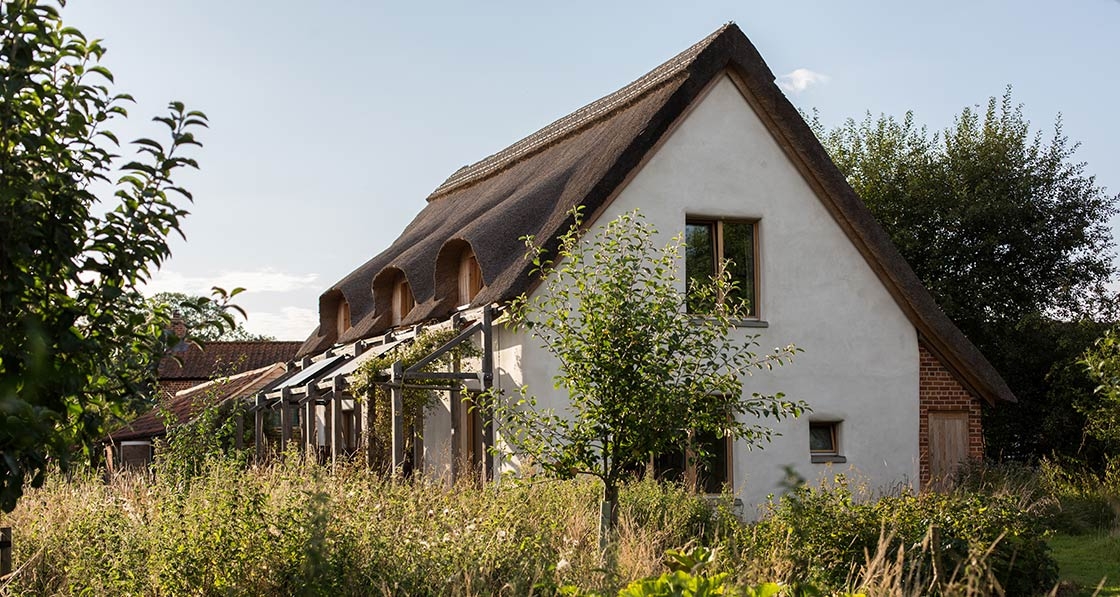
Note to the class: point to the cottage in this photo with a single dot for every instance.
(189, 378)
(705, 143)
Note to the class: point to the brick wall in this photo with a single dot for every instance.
(938, 389)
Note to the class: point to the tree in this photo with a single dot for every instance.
(644, 376)
(1007, 232)
(201, 314)
(76, 343)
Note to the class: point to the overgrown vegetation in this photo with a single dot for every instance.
(294, 528)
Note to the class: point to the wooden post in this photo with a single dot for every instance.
(5, 552)
(456, 424)
(285, 418)
(310, 425)
(418, 444)
(368, 429)
(486, 377)
(335, 418)
(396, 391)
(258, 426)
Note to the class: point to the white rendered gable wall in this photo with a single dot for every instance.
(860, 359)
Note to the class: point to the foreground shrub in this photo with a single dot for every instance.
(826, 535)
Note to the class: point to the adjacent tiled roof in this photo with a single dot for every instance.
(581, 160)
(222, 358)
(188, 403)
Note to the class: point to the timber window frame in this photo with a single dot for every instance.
(403, 301)
(342, 322)
(715, 249)
(470, 277)
(824, 442)
(682, 466)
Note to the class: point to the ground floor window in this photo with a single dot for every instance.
(685, 466)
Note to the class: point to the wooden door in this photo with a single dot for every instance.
(948, 446)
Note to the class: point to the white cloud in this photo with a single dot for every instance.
(799, 80)
(263, 280)
(291, 323)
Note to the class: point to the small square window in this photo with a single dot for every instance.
(824, 445)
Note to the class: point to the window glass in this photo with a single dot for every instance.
(822, 438)
(707, 244)
(700, 262)
(738, 250)
(710, 477)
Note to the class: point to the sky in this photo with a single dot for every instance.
(330, 123)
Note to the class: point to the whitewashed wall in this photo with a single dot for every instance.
(860, 360)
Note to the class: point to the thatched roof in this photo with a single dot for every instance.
(582, 159)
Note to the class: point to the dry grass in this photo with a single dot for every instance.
(297, 529)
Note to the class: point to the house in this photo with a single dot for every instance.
(188, 364)
(133, 444)
(186, 383)
(707, 143)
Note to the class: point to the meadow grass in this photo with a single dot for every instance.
(296, 528)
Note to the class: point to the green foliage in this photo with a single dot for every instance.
(206, 319)
(1103, 364)
(686, 579)
(1011, 237)
(188, 449)
(76, 343)
(1072, 499)
(643, 375)
(369, 379)
(826, 533)
(996, 222)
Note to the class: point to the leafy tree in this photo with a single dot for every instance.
(643, 375)
(76, 341)
(1009, 234)
(201, 314)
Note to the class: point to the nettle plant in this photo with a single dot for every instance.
(643, 375)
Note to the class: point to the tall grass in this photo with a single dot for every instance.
(295, 528)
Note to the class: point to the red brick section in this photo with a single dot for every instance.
(938, 389)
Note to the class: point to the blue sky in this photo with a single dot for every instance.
(331, 122)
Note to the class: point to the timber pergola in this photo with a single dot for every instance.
(324, 381)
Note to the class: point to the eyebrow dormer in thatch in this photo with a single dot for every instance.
(585, 159)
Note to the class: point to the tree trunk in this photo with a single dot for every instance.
(608, 515)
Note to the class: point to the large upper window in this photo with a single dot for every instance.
(402, 299)
(470, 277)
(711, 244)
